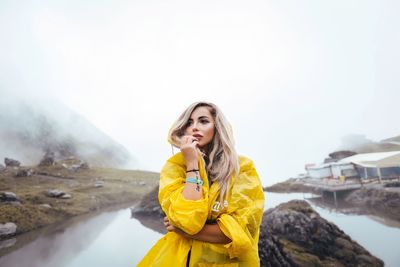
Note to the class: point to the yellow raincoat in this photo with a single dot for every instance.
(239, 219)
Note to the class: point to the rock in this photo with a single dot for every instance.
(81, 165)
(58, 194)
(293, 234)
(77, 167)
(48, 159)
(149, 212)
(341, 154)
(24, 173)
(7, 229)
(8, 196)
(46, 206)
(2, 167)
(11, 162)
(66, 196)
(141, 183)
(55, 193)
(292, 185)
(99, 184)
(149, 205)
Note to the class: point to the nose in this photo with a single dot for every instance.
(194, 127)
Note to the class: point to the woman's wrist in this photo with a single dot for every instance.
(192, 166)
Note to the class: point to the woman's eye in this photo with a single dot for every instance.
(204, 121)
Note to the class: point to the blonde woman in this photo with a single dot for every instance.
(212, 198)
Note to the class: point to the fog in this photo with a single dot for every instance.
(292, 77)
(31, 126)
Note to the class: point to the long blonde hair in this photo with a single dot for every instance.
(223, 160)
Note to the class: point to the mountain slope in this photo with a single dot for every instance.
(28, 129)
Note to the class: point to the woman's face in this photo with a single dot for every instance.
(201, 126)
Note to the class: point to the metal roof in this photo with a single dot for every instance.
(375, 160)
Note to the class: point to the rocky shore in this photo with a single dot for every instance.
(382, 200)
(292, 186)
(36, 196)
(292, 234)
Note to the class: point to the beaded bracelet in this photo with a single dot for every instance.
(193, 180)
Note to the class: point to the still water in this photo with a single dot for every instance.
(116, 239)
(108, 239)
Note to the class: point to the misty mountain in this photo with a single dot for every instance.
(31, 127)
(360, 144)
(393, 140)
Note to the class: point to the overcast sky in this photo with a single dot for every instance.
(293, 77)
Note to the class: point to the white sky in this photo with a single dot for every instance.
(292, 77)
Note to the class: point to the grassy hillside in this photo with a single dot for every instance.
(120, 186)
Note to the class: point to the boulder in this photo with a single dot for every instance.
(11, 162)
(24, 173)
(149, 205)
(2, 167)
(293, 234)
(7, 229)
(149, 212)
(46, 206)
(81, 165)
(99, 184)
(8, 196)
(48, 159)
(66, 196)
(55, 193)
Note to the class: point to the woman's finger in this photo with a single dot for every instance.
(188, 139)
(195, 143)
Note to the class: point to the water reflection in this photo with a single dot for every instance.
(7, 243)
(341, 206)
(152, 222)
(108, 239)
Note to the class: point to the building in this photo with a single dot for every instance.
(382, 165)
(320, 171)
(333, 170)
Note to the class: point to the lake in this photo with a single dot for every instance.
(113, 238)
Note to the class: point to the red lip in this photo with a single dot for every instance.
(197, 136)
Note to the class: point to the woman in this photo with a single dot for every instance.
(212, 198)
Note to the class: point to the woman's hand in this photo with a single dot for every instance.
(210, 233)
(171, 228)
(168, 226)
(189, 150)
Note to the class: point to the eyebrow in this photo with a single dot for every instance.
(201, 117)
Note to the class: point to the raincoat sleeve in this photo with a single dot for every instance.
(188, 215)
(241, 223)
